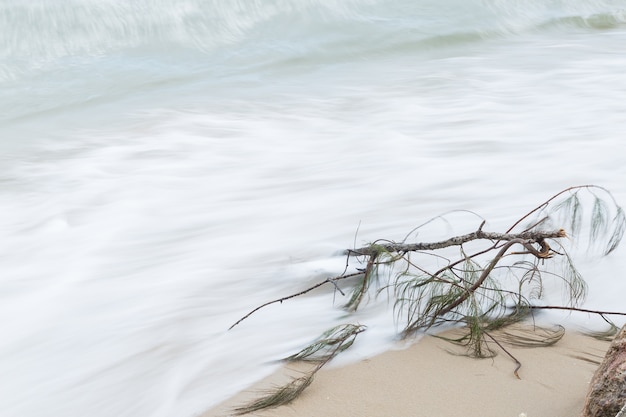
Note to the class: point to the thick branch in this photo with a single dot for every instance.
(531, 236)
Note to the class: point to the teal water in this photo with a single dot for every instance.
(167, 166)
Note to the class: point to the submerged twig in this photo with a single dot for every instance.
(280, 300)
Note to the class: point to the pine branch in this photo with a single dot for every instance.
(467, 289)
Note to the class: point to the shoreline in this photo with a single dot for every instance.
(431, 378)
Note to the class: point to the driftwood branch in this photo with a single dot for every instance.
(525, 237)
(466, 289)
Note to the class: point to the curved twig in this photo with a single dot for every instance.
(509, 354)
(548, 201)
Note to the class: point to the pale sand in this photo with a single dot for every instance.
(427, 381)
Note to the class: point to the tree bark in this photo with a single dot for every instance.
(607, 390)
(526, 237)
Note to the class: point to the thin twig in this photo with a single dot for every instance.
(582, 310)
(548, 201)
(280, 300)
(442, 217)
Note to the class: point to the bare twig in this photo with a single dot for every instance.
(582, 310)
(280, 300)
(602, 314)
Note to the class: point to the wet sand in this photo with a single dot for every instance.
(426, 380)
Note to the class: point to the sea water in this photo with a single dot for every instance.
(165, 167)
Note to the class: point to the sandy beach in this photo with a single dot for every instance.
(426, 380)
